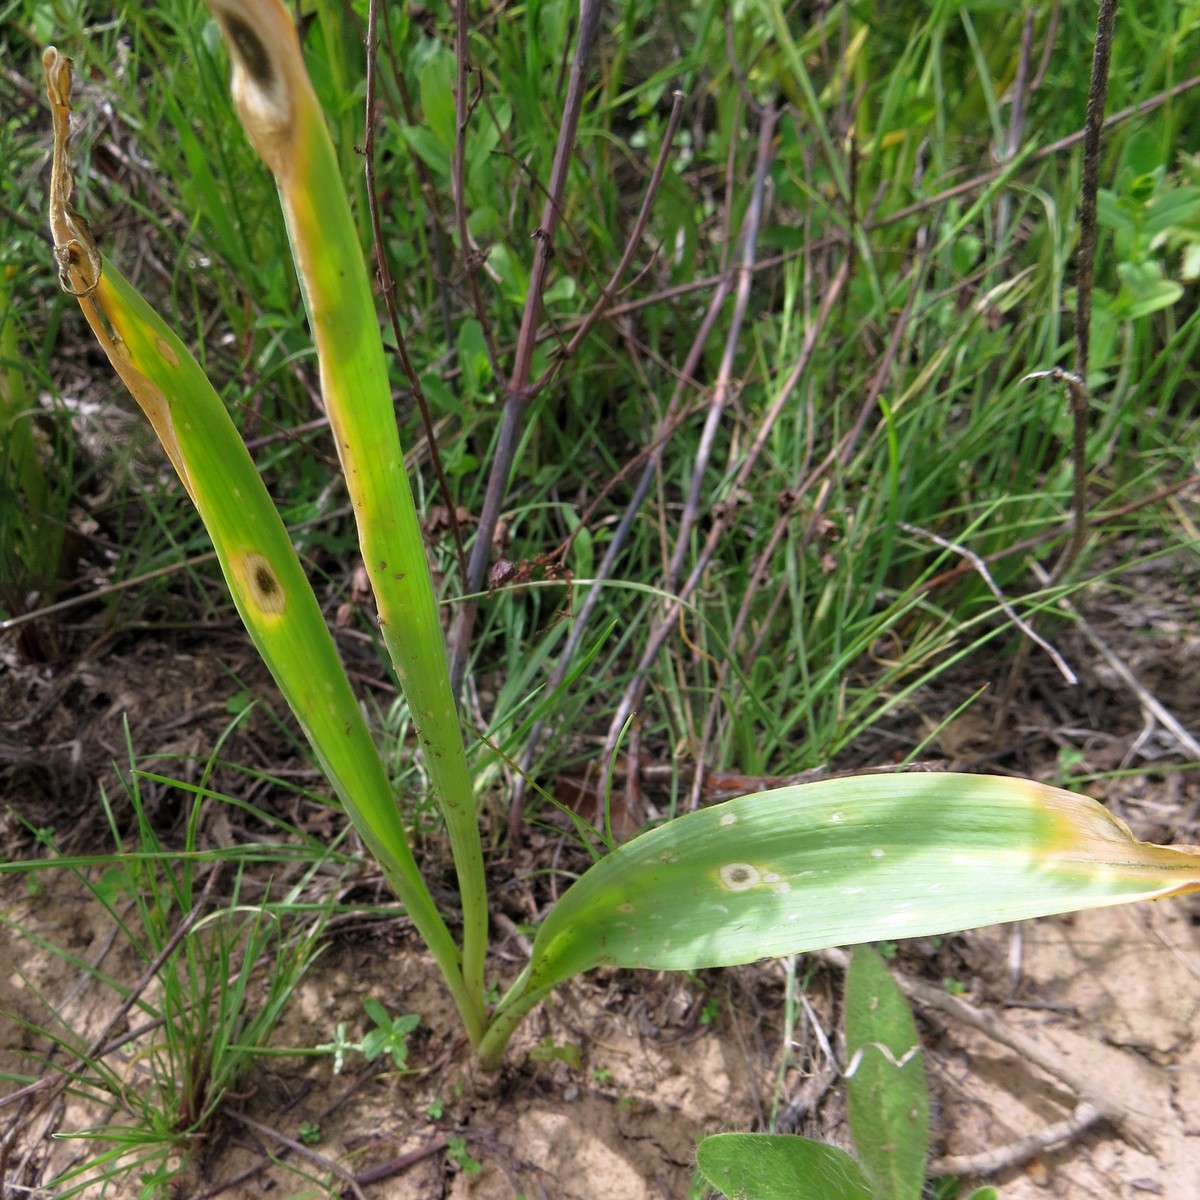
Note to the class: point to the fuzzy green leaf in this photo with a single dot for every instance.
(762, 1166)
(887, 1096)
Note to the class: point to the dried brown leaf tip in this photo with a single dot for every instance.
(74, 247)
(269, 81)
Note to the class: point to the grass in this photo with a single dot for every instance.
(214, 970)
(911, 411)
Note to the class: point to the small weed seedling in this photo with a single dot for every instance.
(826, 864)
(389, 1036)
(888, 1107)
(456, 1148)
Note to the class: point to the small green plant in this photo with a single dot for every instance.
(456, 1149)
(772, 873)
(550, 1051)
(1154, 217)
(390, 1036)
(888, 1110)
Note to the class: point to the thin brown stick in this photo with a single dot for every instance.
(517, 394)
(649, 456)
(717, 403)
(1012, 139)
(386, 1170)
(658, 633)
(631, 245)
(839, 454)
(722, 388)
(302, 1151)
(1077, 387)
(1011, 613)
(1076, 382)
(389, 291)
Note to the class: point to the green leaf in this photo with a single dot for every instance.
(1113, 212)
(437, 97)
(473, 357)
(428, 148)
(844, 861)
(887, 1097)
(764, 1166)
(377, 1013)
(1145, 291)
(1141, 156)
(1175, 207)
(374, 1044)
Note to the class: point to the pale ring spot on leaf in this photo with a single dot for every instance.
(167, 351)
(878, 853)
(626, 907)
(729, 819)
(738, 877)
(258, 582)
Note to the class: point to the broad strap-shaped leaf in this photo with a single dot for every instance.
(887, 1096)
(268, 584)
(283, 119)
(768, 1166)
(848, 860)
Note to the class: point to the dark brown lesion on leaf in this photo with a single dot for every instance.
(264, 579)
(250, 50)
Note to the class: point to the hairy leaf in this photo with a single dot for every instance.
(887, 1096)
(762, 1166)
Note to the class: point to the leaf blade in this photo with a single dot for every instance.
(888, 1099)
(845, 861)
(764, 1166)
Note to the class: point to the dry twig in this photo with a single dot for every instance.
(1011, 613)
